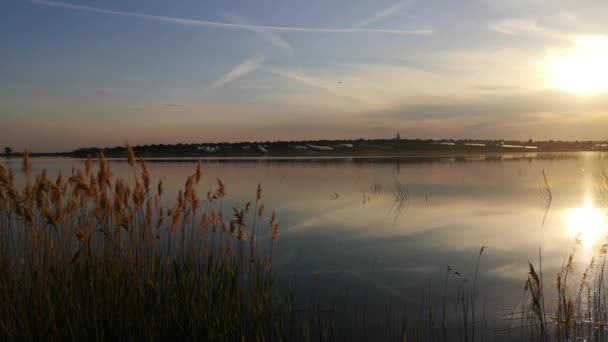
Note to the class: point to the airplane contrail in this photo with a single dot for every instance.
(232, 26)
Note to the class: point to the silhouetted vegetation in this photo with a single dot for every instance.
(352, 147)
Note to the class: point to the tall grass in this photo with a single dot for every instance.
(91, 257)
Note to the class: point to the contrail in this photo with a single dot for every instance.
(271, 36)
(238, 71)
(232, 26)
(386, 12)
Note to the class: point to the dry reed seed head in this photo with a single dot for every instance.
(247, 207)
(105, 174)
(273, 219)
(88, 165)
(93, 185)
(4, 180)
(180, 199)
(198, 173)
(148, 221)
(258, 195)
(189, 188)
(175, 218)
(239, 215)
(138, 196)
(261, 211)
(11, 177)
(275, 232)
(161, 220)
(533, 274)
(221, 188)
(145, 175)
(59, 180)
(196, 203)
(213, 219)
(159, 187)
(26, 163)
(130, 154)
(570, 264)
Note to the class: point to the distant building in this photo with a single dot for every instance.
(320, 148)
(208, 149)
(262, 149)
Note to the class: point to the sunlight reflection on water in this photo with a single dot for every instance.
(586, 224)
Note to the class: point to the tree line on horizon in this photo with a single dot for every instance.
(282, 146)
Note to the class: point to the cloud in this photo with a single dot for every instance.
(520, 26)
(238, 71)
(386, 12)
(271, 36)
(555, 26)
(549, 107)
(232, 26)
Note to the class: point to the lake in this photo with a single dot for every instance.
(383, 231)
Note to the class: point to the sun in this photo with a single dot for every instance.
(582, 69)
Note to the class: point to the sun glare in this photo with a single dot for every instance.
(583, 69)
(587, 224)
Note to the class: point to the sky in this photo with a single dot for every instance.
(85, 73)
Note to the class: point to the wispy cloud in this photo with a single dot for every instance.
(386, 12)
(232, 26)
(271, 36)
(520, 26)
(238, 71)
(556, 26)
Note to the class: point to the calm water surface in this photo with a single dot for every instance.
(340, 217)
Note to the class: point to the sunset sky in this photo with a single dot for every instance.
(94, 73)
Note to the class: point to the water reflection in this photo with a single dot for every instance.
(586, 224)
(454, 206)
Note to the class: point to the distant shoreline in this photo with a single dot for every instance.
(394, 147)
(314, 155)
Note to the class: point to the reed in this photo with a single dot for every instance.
(94, 257)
